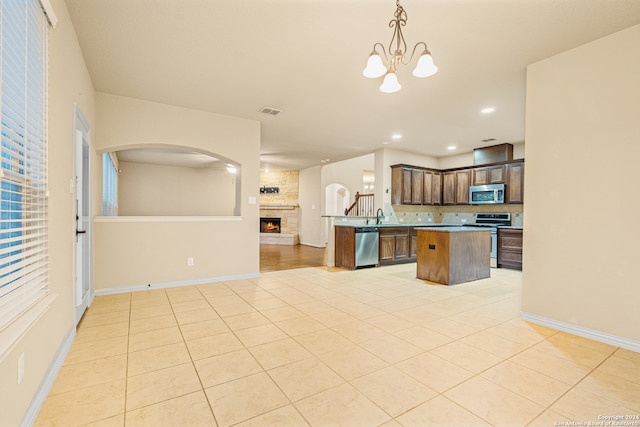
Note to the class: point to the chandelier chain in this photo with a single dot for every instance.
(399, 21)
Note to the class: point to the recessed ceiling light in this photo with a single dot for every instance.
(451, 147)
(487, 110)
(396, 136)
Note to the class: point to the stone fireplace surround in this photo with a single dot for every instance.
(289, 224)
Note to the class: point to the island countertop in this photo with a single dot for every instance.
(400, 224)
(452, 229)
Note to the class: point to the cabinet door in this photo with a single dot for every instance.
(449, 188)
(413, 249)
(496, 174)
(427, 188)
(402, 246)
(481, 176)
(417, 184)
(407, 177)
(515, 183)
(488, 175)
(387, 248)
(510, 248)
(463, 180)
(396, 186)
(437, 188)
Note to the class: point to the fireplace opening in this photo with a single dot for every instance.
(270, 225)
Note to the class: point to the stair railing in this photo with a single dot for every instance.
(362, 206)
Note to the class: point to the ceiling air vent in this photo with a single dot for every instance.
(488, 140)
(270, 110)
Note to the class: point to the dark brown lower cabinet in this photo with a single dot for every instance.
(345, 247)
(510, 248)
(396, 245)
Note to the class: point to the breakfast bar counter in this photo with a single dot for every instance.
(453, 255)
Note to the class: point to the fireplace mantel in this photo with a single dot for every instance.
(278, 207)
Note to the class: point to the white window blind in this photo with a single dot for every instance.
(23, 172)
(109, 186)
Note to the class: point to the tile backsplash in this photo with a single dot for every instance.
(459, 214)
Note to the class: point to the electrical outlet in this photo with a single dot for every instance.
(190, 262)
(20, 368)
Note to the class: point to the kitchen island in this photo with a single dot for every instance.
(453, 255)
(397, 242)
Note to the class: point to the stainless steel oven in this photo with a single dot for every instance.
(491, 221)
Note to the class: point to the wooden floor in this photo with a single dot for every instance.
(285, 257)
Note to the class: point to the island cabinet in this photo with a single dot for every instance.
(453, 255)
(510, 248)
(395, 245)
(455, 187)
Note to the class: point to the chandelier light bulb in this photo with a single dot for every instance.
(390, 83)
(374, 68)
(425, 66)
(397, 54)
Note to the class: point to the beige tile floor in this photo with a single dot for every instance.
(329, 347)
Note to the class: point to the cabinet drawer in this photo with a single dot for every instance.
(512, 243)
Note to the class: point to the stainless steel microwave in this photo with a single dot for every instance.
(486, 194)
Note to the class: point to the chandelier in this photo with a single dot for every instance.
(375, 68)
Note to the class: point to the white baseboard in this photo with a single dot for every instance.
(148, 286)
(48, 380)
(583, 332)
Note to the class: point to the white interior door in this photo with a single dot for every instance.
(83, 276)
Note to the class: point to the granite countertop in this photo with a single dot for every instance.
(398, 224)
(454, 229)
(424, 225)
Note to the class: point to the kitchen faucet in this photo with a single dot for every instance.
(379, 216)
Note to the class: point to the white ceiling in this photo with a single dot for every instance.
(306, 57)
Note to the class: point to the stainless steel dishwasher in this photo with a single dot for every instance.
(366, 246)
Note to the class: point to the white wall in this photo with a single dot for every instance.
(384, 159)
(132, 253)
(311, 206)
(69, 83)
(466, 159)
(582, 151)
(348, 173)
(157, 190)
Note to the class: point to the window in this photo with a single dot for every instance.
(23, 171)
(109, 186)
